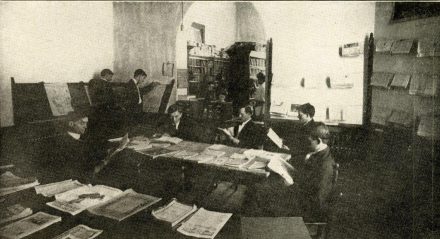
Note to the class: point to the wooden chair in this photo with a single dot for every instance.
(321, 230)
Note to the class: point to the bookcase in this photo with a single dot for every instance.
(247, 59)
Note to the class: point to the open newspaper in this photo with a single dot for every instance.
(13, 212)
(122, 145)
(168, 139)
(124, 205)
(174, 212)
(28, 225)
(79, 232)
(79, 199)
(139, 143)
(10, 183)
(204, 224)
(51, 189)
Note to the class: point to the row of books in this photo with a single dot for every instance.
(419, 84)
(257, 62)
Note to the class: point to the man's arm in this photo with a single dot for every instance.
(325, 184)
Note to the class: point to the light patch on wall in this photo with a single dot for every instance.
(53, 42)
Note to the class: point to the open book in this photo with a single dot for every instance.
(174, 212)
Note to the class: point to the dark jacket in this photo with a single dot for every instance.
(316, 182)
(299, 144)
(133, 104)
(188, 129)
(251, 136)
(101, 93)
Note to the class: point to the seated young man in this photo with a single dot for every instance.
(299, 144)
(247, 134)
(179, 125)
(309, 196)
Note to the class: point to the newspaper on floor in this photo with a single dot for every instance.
(51, 189)
(14, 212)
(204, 224)
(10, 183)
(174, 212)
(168, 139)
(28, 225)
(79, 199)
(124, 205)
(79, 232)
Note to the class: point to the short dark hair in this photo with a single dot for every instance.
(139, 72)
(248, 109)
(261, 75)
(174, 108)
(106, 72)
(321, 131)
(307, 109)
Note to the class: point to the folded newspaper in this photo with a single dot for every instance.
(79, 232)
(51, 189)
(174, 212)
(124, 205)
(28, 225)
(79, 199)
(167, 139)
(10, 183)
(204, 224)
(13, 212)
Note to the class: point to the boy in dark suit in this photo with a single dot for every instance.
(180, 125)
(247, 134)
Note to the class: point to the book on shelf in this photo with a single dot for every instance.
(14, 212)
(79, 232)
(51, 189)
(10, 183)
(124, 205)
(174, 212)
(79, 199)
(204, 224)
(28, 225)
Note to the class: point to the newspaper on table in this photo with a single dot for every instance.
(204, 224)
(217, 161)
(168, 139)
(51, 189)
(79, 199)
(185, 154)
(156, 152)
(79, 232)
(10, 183)
(214, 153)
(14, 212)
(237, 160)
(28, 225)
(124, 205)
(201, 158)
(275, 162)
(6, 166)
(138, 144)
(217, 147)
(174, 212)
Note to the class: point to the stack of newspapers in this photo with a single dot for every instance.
(199, 223)
(28, 225)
